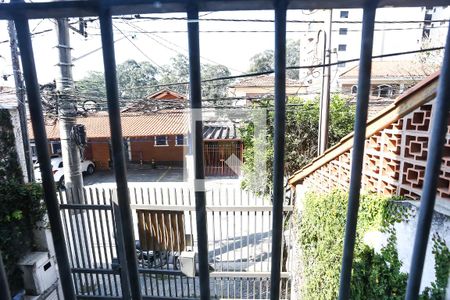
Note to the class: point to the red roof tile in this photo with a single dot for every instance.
(132, 125)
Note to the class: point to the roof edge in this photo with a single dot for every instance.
(413, 98)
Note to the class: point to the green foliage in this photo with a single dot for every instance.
(21, 207)
(442, 266)
(9, 163)
(135, 79)
(139, 79)
(302, 126)
(376, 275)
(262, 62)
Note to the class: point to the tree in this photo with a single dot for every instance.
(216, 89)
(302, 123)
(264, 61)
(178, 71)
(136, 80)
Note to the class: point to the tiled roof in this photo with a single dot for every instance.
(213, 131)
(132, 125)
(392, 69)
(264, 81)
(166, 94)
(414, 97)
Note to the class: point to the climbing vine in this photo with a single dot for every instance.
(376, 274)
(21, 205)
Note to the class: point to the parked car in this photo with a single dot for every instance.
(87, 167)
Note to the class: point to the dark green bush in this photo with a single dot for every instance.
(375, 275)
(21, 207)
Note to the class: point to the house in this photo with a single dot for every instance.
(389, 79)
(159, 138)
(263, 85)
(161, 100)
(396, 150)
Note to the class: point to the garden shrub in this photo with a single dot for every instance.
(376, 275)
(21, 205)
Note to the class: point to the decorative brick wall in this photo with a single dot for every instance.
(394, 160)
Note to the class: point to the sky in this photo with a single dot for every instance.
(159, 42)
(233, 50)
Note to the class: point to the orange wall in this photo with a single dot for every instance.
(146, 150)
(100, 155)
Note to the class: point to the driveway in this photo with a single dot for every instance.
(169, 174)
(162, 174)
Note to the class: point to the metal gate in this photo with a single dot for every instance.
(239, 244)
(223, 158)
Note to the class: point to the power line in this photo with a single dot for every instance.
(270, 31)
(139, 17)
(141, 30)
(135, 46)
(254, 74)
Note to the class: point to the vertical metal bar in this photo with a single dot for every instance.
(279, 139)
(437, 141)
(37, 121)
(118, 152)
(4, 287)
(197, 125)
(126, 293)
(362, 104)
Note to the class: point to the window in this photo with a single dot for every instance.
(161, 140)
(342, 47)
(343, 31)
(426, 33)
(33, 149)
(354, 90)
(344, 14)
(56, 148)
(180, 141)
(383, 91)
(341, 64)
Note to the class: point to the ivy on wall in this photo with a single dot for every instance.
(9, 164)
(376, 275)
(21, 205)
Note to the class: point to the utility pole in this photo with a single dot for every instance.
(326, 86)
(67, 115)
(20, 94)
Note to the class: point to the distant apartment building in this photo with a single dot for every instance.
(392, 34)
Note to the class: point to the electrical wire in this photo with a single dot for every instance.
(141, 30)
(254, 74)
(139, 17)
(142, 52)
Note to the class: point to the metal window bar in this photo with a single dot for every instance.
(279, 139)
(20, 12)
(437, 141)
(197, 128)
(4, 287)
(48, 184)
(118, 155)
(362, 105)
